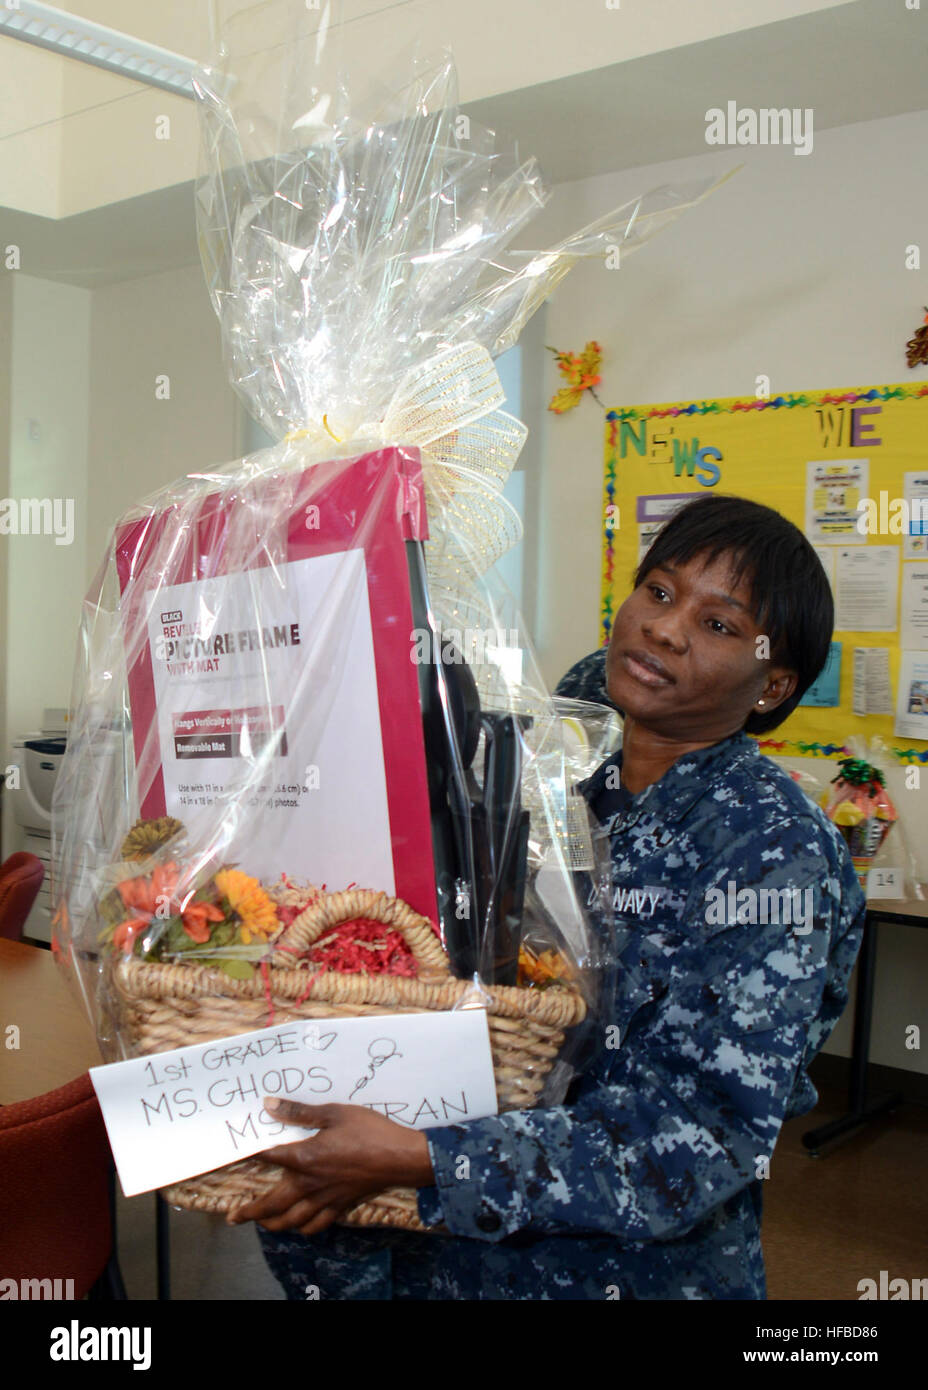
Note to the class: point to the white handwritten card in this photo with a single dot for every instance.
(179, 1113)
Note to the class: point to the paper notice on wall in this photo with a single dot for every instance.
(826, 555)
(915, 544)
(176, 1114)
(833, 490)
(912, 696)
(652, 511)
(867, 587)
(231, 696)
(824, 691)
(914, 608)
(873, 692)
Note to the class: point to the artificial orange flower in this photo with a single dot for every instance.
(136, 893)
(150, 894)
(154, 897)
(164, 883)
(581, 371)
(59, 920)
(196, 917)
(125, 934)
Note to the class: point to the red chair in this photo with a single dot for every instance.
(57, 1200)
(20, 880)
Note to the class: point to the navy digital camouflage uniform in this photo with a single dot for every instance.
(646, 1183)
(587, 681)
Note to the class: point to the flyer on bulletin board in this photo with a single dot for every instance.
(833, 491)
(825, 689)
(833, 462)
(912, 699)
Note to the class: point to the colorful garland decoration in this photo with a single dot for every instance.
(608, 555)
(909, 755)
(792, 748)
(817, 398)
(799, 748)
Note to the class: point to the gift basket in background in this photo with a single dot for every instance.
(858, 802)
(312, 769)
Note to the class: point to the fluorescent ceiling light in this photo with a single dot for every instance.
(74, 37)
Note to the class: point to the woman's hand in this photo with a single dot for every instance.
(355, 1153)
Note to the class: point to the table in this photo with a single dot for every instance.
(57, 1042)
(859, 1110)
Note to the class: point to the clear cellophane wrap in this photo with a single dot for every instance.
(246, 792)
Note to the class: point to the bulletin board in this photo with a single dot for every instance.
(850, 468)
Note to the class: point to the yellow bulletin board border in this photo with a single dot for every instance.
(771, 477)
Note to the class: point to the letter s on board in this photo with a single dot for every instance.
(711, 470)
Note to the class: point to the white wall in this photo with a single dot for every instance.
(161, 325)
(49, 403)
(795, 269)
(83, 366)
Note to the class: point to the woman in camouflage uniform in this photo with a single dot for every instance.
(739, 917)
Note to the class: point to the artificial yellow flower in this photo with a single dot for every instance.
(246, 897)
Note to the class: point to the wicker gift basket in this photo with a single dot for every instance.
(159, 1006)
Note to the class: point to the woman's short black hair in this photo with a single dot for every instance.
(790, 593)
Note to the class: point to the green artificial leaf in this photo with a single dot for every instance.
(223, 934)
(175, 938)
(237, 969)
(112, 909)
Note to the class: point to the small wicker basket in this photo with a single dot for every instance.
(160, 1007)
